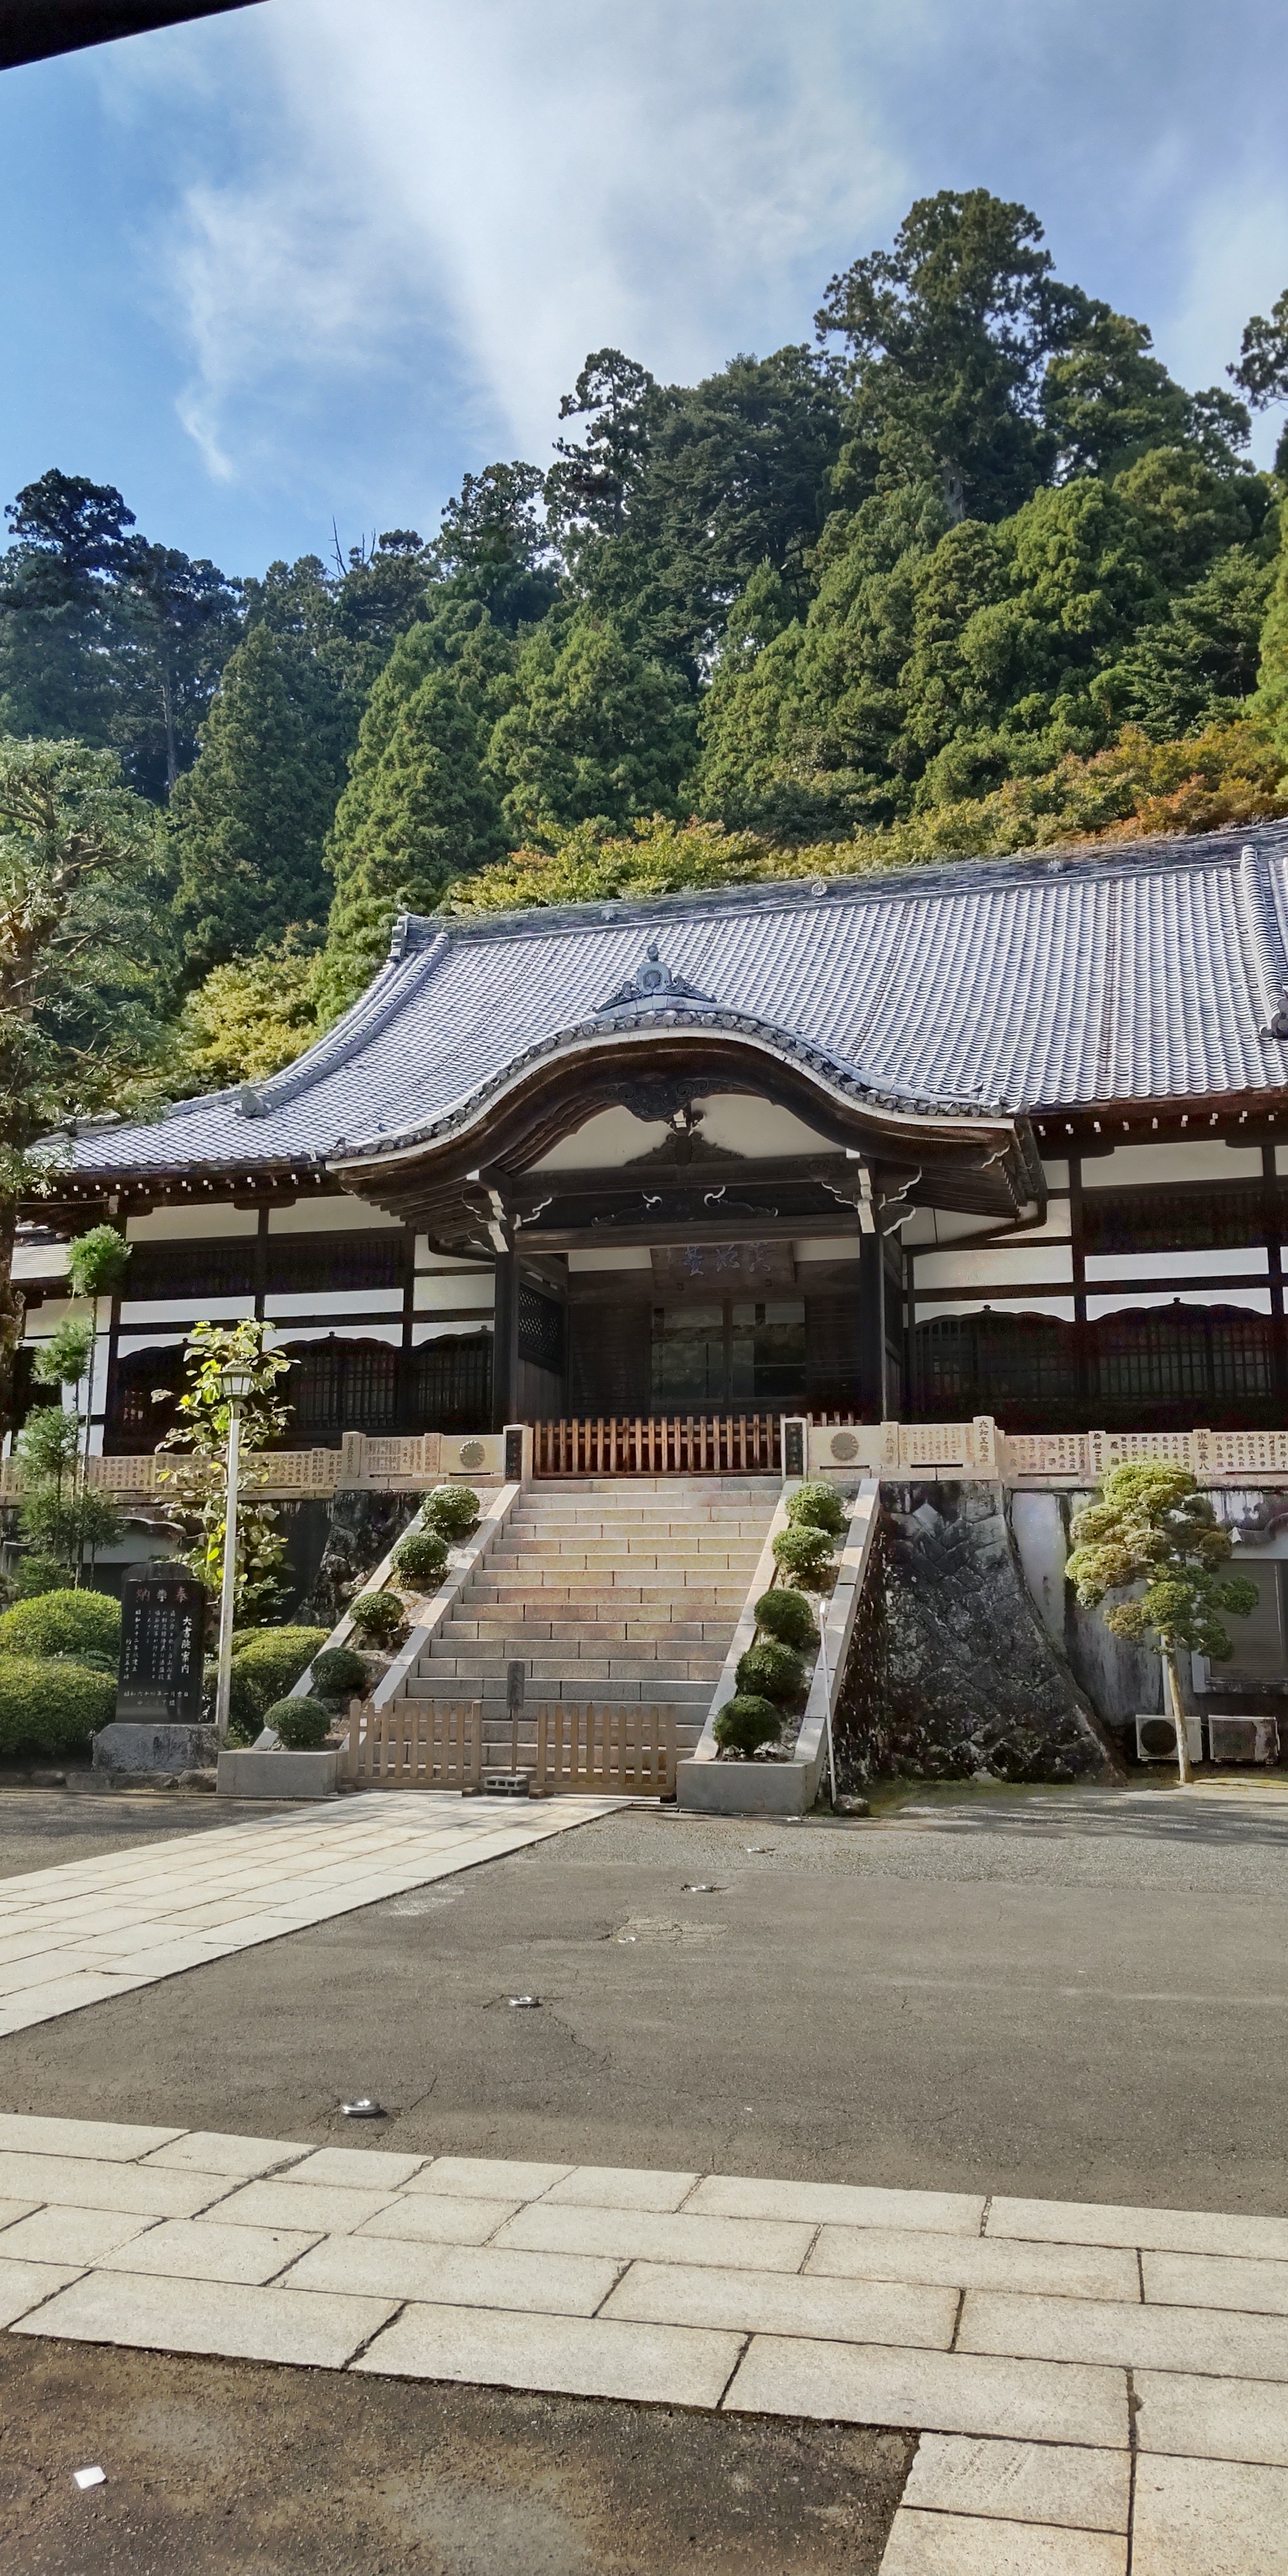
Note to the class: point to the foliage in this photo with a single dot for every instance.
(337, 1671)
(247, 1019)
(196, 1468)
(378, 1617)
(106, 636)
(1262, 369)
(786, 1614)
(302, 1724)
(598, 727)
(97, 1261)
(818, 1506)
(51, 1707)
(420, 809)
(1152, 1526)
(63, 1359)
(769, 1670)
(266, 1664)
(63, 1623)
(79, 862)
(804, 1553)
(420, 1557)
(452, 1510)
(1272, 690)
(62, 1518)
(745, 1723)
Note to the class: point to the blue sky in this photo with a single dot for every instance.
(318, 258)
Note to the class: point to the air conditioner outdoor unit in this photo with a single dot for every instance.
(1156, 1739)
(1243, 1739)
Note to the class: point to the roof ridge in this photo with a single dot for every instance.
(1173, 855)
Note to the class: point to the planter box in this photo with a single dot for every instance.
(244, 1773)
(747, 1788)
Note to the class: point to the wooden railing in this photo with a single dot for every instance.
(728, 1444)
(415, 1744)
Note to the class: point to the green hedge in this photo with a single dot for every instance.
(62, 1623)
(265, 1665)
(803, 1551)
(50, 1707)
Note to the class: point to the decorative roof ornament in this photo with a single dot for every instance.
(651, 986)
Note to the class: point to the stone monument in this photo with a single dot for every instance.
(158, 1724)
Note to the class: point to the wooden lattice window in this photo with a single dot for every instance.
(341, 1263)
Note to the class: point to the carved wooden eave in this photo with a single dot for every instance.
(468, 1168)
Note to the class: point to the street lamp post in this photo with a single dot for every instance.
(237, 1379)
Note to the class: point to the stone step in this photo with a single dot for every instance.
(588, 1669)
(575, 1690)
(524, 1635)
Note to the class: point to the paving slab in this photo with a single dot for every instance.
(1212, 2419)
(659, 2236)
(943, 2392)
(243, 2324)
(586, 2357)
(975, 2262)
(1176, 2231)
(1021, 2481)
(1216, 2340)
(431, 2218)
(949, 2544)
(783, 2303)
(1213, 2281)
(573, 2285)
(200, 2249)
(1209, 2518)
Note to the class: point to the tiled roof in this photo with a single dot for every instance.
(1151, 972)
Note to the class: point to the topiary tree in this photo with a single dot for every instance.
(816, 1506)
(452, 1510)
(337, 1671)
(378, 1617)
(785, 1613)
(770, 1671)
(804, 1552)
(420, 1557)
(745, 1723)
(1153, 1528)
(301, 1724)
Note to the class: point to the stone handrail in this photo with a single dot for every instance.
(924, 1451)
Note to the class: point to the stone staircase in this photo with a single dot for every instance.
(612, 1592)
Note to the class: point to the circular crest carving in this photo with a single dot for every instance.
(472, 1453)
(843, 1445)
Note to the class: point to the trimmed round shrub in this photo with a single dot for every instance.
(770, 1671)
(817, 1507)
(302, 1724)
(786, 1614)
(421, 1556)
(747, 1722)
(51, 1706)
(338, 1670)
(378, 1617)
(803, 1552)
(265, 1663)
(453, 1510)
(62, 1623)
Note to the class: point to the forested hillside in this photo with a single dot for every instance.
(964, 572)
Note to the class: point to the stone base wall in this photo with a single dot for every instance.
(974, 1686)
(361, 1529)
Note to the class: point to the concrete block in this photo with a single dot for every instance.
(127, 1745)
(276, 1774)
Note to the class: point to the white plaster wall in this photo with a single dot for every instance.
(215, 1221)
(453, 1288)
(331, 1216)
(1035, 1302)
(1250, 1259)
(1038, 1524)
(1009, 1265)
(1254, 1301)
(1203, 1160)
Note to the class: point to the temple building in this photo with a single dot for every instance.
(1004, 1137)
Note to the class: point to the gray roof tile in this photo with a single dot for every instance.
(1147, 972)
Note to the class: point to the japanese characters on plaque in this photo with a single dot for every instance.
(163, 1618)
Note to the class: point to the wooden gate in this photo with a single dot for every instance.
(625, 1752)
(413, 1744)
(729, 1444)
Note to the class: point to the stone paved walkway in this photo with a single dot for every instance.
(82, 1931)
(1099, 2391)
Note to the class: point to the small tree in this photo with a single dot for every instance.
(1152, 1527)
(198, 1475)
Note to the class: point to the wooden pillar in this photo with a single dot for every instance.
(505, 1341)
(873, 1372)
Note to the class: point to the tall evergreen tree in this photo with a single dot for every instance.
(420, 808)
(598, 728)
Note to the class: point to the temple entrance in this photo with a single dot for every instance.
(723, 1355)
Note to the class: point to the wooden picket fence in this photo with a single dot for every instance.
(438, 1744)
(727, 1444)
(413, 1744)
